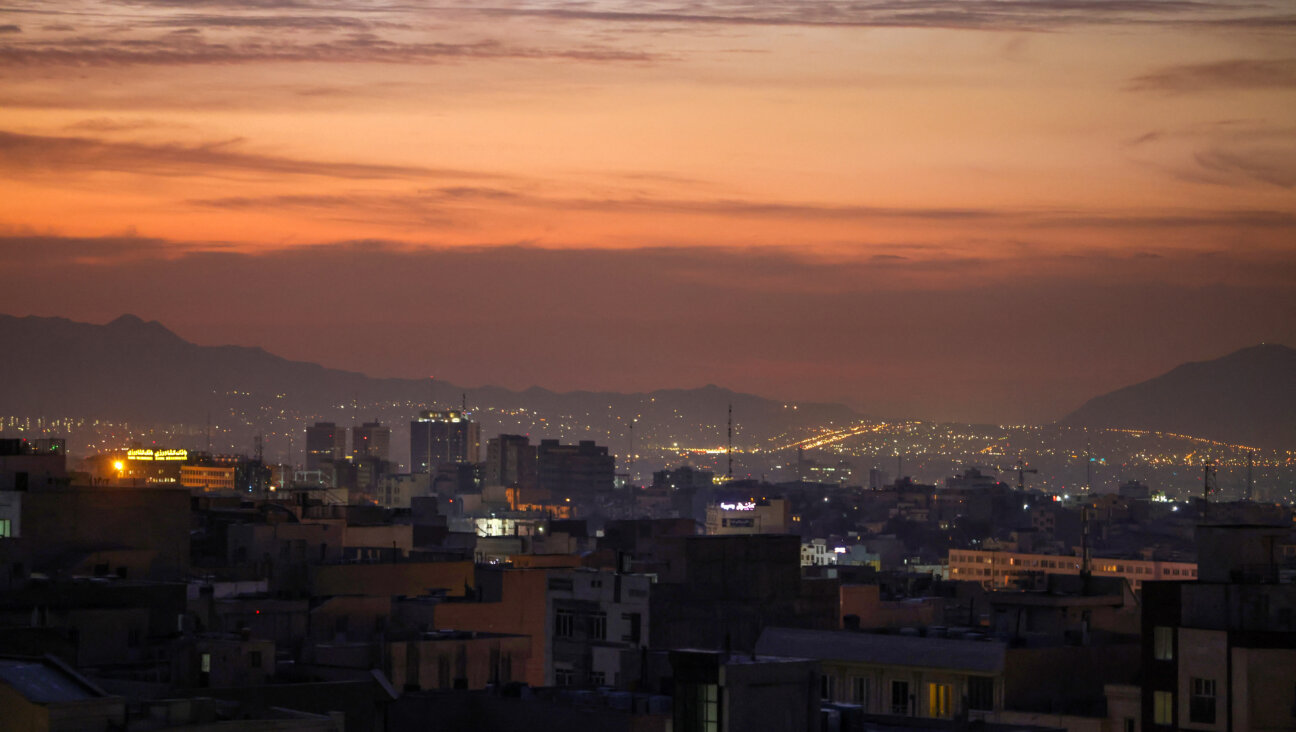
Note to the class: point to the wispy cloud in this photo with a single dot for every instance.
(441, 202)
(20, 153)
(191, 49)
(1228, 75)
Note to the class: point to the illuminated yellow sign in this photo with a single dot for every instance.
(146, 454)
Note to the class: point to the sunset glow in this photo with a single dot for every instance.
(890, 204)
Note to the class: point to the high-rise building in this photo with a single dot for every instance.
(1219, 653)
(511, 462)
(371, 439)
(324, 444)
(574, 469)
(438, 437)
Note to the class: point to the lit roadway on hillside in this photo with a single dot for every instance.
(832, 436)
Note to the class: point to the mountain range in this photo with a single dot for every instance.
(1247, 397)
(140, 372)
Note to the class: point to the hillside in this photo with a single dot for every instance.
(1246, 397)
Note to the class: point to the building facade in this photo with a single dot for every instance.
(442, 437)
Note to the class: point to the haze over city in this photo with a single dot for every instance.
(984, 211)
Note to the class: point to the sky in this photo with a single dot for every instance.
(987, 210)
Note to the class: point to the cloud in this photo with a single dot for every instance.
(1275, 166)
(20, 153)
(417, 205)
(188, 49)
(1229, 75)
(108, 124)
(990, 15)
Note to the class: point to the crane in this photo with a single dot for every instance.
(1022, 470)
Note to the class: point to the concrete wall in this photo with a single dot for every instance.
(391, 579)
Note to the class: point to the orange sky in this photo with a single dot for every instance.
(925, 153)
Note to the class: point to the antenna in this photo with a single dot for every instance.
(463, 402)
(208, 431)
(259, 447)
(630, 466)
(729, 451)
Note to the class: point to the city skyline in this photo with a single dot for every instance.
(986, 212)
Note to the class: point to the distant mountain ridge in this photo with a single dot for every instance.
(141, 372)
(1247, 397)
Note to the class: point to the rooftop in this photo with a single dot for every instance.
(884, 650)
(46, 681)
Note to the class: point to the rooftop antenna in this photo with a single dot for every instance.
(463, 402)
(630, 466)
(259, 447)
(431, 392)
(729, 450)
(208, 431)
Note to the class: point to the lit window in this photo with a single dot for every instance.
(939, 703)
(1162, 707)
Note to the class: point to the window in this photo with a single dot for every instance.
(1162, 707)
(827, 687)
(564, 676)
(1130, 725)
(443, 671)
(899, 697)
(701, 708)
(1163, 643)
(859, 691)
(981, 693)
(597, 678)
(254, 659)
(5, 528)
(598, 626)
(939, 703)
(564, 624)
(1201, 704)
(634, 627)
